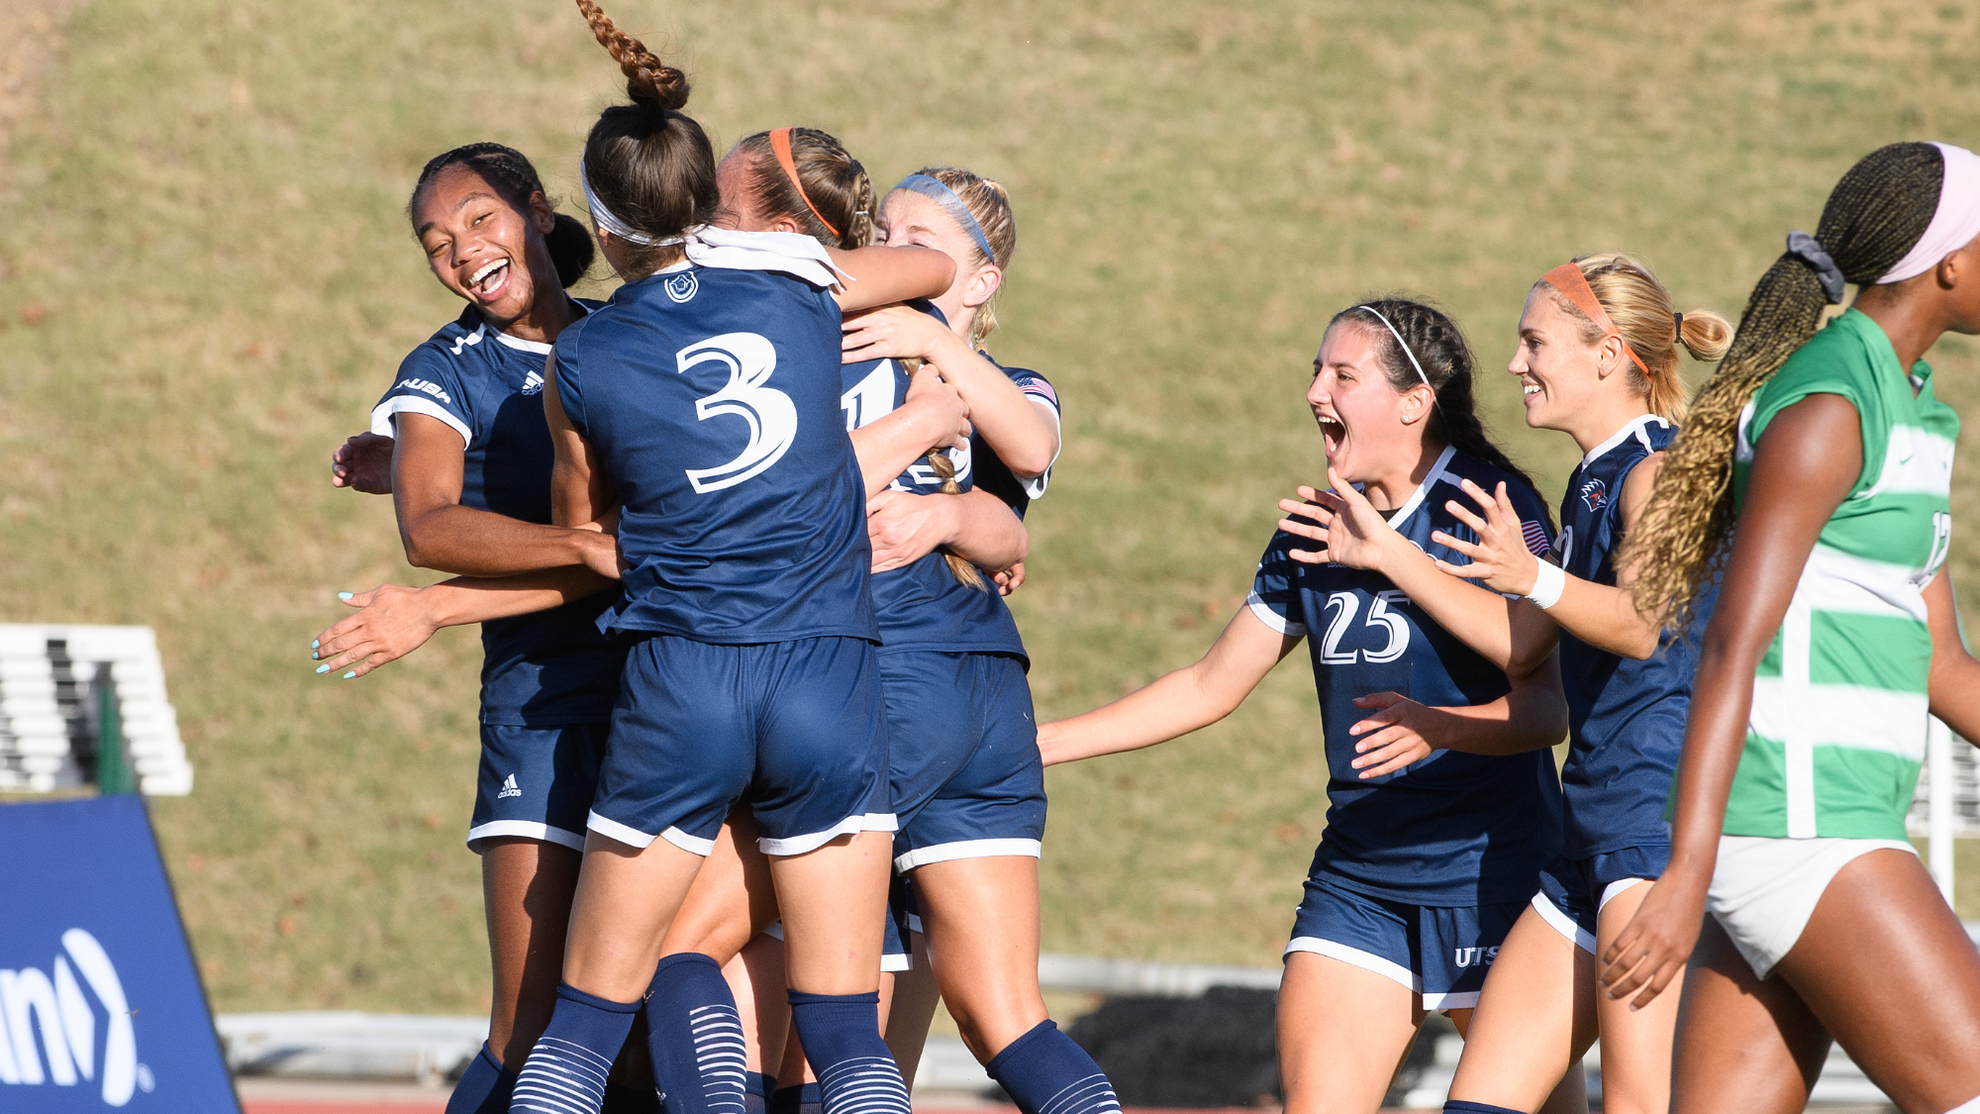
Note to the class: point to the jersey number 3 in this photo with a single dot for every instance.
(1344, 605)
(772, 417)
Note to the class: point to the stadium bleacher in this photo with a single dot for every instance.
(86, 705)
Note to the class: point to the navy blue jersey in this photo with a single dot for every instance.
(538, 670)
(1453, 829)
(922, 606)
(711, 397)
(1625, 717)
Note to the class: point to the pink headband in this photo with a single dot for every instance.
(1573, 285)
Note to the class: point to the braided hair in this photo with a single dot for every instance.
(511, 175)
(834, 182)
(1438, 345)
(1876, 213)
(648, 162)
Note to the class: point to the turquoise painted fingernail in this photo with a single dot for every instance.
(314, 642)
(314, 656)
(343, 595)
(351, 674)
(323, 669)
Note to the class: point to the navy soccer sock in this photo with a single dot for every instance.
(567, 1068)
(484, 1088)
(1046, 1073)
(841, 1035)
(1460, 1106)
(757, 1088)
(696, 1037)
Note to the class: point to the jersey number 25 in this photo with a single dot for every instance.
(772, 417)
(1344, 605)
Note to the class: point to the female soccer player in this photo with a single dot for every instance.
(1833, 638)
(471, 470)
(1598, 360)
(970, 801)
(701, 404)
(1424, 864)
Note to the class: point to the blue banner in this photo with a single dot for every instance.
(100, 1006)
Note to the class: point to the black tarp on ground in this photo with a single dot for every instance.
(1219, 1049)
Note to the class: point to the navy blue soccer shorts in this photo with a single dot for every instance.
(795, 729)
(962, 741)
(1573, 891)
(536, 782)
(1441, 953)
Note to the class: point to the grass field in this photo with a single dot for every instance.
(207, 279)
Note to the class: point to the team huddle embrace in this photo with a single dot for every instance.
(760, 775)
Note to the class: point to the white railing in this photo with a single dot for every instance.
(1947, 803)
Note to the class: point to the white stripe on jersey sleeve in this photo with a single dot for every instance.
(1036, 485)
(1273, 619)
(384, 412)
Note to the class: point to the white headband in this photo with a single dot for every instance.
(608, 221)
(1404, 345)
(1954, 224)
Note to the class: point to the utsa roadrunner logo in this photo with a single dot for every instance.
(1467, 957)
(1595, 494)
(31, 1002)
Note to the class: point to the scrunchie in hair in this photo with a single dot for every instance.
(1809, 250)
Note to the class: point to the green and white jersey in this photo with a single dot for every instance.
(1837, 731)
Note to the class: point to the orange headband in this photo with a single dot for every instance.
(780, 142)
(1568, 279)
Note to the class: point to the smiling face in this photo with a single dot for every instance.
(1373, 433)
(909, 219)
(483, 248)
(1562, 378)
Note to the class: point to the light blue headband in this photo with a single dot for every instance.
(939, 192)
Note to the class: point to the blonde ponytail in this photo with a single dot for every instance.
(1643, 314)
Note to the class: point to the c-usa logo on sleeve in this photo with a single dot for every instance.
(682, 287)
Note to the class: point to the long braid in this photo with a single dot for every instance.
(1873, 217)
(944, 467)
(648, 79)
(1439, 346)
(648, 162)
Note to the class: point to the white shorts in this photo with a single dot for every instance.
(1764, 889)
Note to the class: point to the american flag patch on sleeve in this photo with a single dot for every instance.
(1032, 385)
(1536, 538)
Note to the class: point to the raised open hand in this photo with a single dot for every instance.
(1348, 527)
(1501, 557)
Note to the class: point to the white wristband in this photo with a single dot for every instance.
(1548, 583)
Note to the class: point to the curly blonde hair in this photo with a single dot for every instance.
(1873, 217)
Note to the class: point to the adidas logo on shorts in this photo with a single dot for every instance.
(509, 788)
